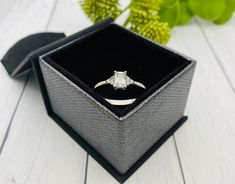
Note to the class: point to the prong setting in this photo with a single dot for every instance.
(120, 80)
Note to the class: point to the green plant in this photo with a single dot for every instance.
(155, 18)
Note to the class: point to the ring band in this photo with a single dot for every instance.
(120, 80)
(106, 82)
(120, 102)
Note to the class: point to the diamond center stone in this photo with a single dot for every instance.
(120, 80)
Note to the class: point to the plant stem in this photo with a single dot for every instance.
(126, 22)
(125, 9)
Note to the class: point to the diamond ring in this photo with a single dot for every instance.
(120, 80)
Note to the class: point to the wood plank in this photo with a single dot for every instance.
(69, 15)
(162, 167)
(10, 92)
(37, 149)
(206, 142)
(24, 17)
(5, 8)
(221, 39)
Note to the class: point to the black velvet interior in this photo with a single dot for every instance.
(95, 57)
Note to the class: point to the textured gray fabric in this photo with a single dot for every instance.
(121, 141)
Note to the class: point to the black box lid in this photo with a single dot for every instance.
(17, 59)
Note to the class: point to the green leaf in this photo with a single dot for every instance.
(228, 12)
(169, 3)
(170, 14)
(207, 9)
(185, 15)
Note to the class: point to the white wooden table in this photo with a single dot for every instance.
(34, 150)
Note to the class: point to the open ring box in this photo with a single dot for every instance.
(121, 139)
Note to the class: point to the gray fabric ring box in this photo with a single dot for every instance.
(119, 138)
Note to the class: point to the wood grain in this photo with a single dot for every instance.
(69, 16)
(22, 17)
(221, 40)
(25, 17)
(207, 142)
(38, 151)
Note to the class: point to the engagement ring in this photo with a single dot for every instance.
(120, 80)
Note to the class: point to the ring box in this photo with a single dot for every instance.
(120, 138)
